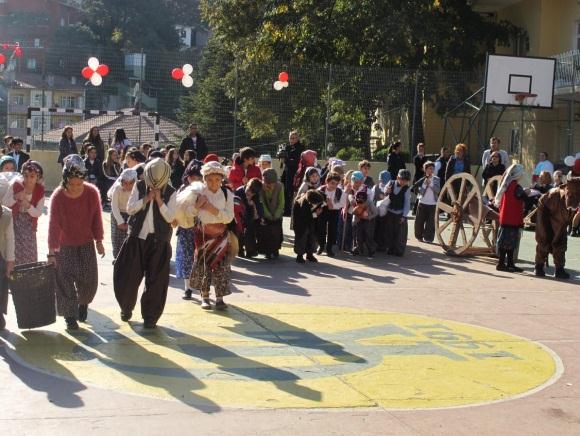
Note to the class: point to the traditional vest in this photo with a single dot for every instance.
(163, 229)
(37, 195)
(397, 200)
(511, 208)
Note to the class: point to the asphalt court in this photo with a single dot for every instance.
(261, 356)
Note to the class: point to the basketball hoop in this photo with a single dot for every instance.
(522, 96)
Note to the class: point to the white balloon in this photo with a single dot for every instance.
(187, 81)
(569, 161)
(278, 85)
(187, 69)
(285, 84)
(96, 79)
(93, 63)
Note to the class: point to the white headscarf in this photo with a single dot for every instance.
(128, 175)
(514, 172)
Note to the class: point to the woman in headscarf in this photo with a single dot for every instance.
(75, 229)
(119, 195)
(269, 232)
(7, 164)
(146, 253)
(186, 236)
(25, 197)
(214, 209)
(510, 200)
(94, 137)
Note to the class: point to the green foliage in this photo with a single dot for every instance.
(420, 35)
(381, 154)
(132, 24)
(350, 153)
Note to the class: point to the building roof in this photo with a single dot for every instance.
(54, 82)
(169, 131)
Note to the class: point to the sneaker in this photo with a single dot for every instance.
(220, 305)
(206, 304)
(71, 323)
(539, 271)
(311, 258)
(83, 312)
(187, 294)
(126, 316)
(561, 274)
(514, 269)
(300, 259)
(149, 324)
(501, 267)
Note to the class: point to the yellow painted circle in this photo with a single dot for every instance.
(294, 356)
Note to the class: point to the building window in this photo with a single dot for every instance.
(37, 43)
(577, 35)
(18, 123)
(31, 63)
(68, 102)
(18, 99)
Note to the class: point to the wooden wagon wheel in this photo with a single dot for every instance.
(462, 201)
(490, 225)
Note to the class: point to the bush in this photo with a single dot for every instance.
(381, 155)
(350, 153)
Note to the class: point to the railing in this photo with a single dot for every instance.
(567, 70)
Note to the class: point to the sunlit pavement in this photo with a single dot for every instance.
(420, 345)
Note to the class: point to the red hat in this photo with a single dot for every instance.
(211, 158)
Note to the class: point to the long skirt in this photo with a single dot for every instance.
(270, 237)
(3, 287)
(211, 265)
(508, 238)
(118, 236)
(184, 252)
(24, 239)
(77, 278)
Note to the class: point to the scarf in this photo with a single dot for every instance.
(272, 202)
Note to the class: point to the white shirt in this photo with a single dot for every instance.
(216, 199)
(330, 195)
(135, 204)
(486, 158)
(119, 200)
(428, 198)
(33, 211)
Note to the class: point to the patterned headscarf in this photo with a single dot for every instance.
(357, 176)
(73, 166)
(193, 169)
(33, 166)
(5, 159)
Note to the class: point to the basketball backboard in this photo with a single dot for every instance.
(508, 78)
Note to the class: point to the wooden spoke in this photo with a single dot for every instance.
(454, 234)
(463, 235)
(445, 207)
(472, 194)
(444, 226)
(461, 189)
(451, 193)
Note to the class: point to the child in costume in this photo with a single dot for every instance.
(269, 231)
(305, 211)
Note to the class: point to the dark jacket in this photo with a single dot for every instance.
(23, 158)
(451, 167)
(94, 170)
(177, 170)
(394, 164)
(200, 147)
(291, 161)
(302, 212)
(418, 161)
(66, 148)
(442, 169)
(491, 171)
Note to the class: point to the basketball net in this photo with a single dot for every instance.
(523, 96)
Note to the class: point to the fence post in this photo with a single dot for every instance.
(572, 107)
(138, 106)
(413, 134)
(327, 122)
(235, 107)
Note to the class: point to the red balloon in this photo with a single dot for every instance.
(87, 72)
(177, 73)
(18, 52)
(283, 76)
(103, 70)
(2, 59)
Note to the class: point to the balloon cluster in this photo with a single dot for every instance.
(183, 74)
(282, 81)
(95, 71)
(570, 160)
(16, 52)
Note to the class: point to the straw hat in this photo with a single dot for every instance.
(157, 173)
(213, 168)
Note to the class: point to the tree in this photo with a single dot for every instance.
(132, 24)
(402, 41)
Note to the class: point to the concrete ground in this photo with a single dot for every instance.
(54, 382)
